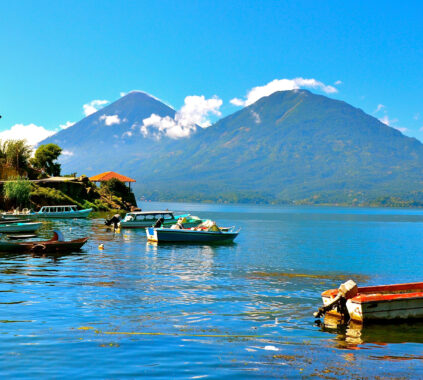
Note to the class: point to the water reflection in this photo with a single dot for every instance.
(356, 336)
(247, 307)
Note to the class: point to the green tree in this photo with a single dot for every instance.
(15, 154)
(17, 191)
(116, 187)
(45, 159)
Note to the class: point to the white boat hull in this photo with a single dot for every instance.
(189, 236)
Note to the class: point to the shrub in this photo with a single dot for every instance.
(88, 204)
(44, 196)
(18, 191)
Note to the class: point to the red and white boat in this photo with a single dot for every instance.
(381, 303)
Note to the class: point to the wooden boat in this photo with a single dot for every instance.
(143, 219)
(19, 227)
(190, 235)
(56, 244)
(65, 211)
(381, 303)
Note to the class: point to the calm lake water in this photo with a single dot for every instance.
(239, 311)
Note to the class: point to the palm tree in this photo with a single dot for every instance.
(16, 154)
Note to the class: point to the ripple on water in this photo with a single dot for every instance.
(238, 311)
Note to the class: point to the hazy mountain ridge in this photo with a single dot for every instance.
(290, 145)
(94, 145)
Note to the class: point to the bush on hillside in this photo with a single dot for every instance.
(47, 196)
(18, 191)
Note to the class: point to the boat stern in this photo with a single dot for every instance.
(151, 234)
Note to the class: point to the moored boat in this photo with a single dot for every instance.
(143, 219)
(19, 227)
(64, 211)
(56, 244)
(379, 303)
(172, 235)
(16, 214)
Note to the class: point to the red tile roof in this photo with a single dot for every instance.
(109, 175)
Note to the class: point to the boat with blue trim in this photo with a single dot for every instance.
(207, 232)
(62, 211)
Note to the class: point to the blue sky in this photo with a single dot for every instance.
(58, 56)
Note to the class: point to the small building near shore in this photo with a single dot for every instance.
(106, 176)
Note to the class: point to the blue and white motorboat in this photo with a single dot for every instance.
(210, 234)
(65, 211)
(143, 219)
(61, 211)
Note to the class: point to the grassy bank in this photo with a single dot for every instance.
(79, 191)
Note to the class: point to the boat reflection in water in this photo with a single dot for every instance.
(193, 263)
(353, 335)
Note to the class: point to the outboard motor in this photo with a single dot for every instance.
(158, 223)
(346, 291)
(115, 219)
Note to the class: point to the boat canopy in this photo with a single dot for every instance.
(148, 215)
(149, 212)
(59, 208)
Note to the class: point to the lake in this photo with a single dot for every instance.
(201, 312)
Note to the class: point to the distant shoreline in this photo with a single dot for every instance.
(286, 204)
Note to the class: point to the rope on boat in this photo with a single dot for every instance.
(38, 247)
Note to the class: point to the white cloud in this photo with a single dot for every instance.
(67, 153)
(256, 117)
(122, 94)
(238, 102)
(390, 122)
(338, 82)
(401, 129)
(379, 108)
(386, 120)
(416, 116)
(127, 134)
(32, 133)
(93, 106)
(282, 85)
(194, 112)
(110, 119)
(66, 125)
